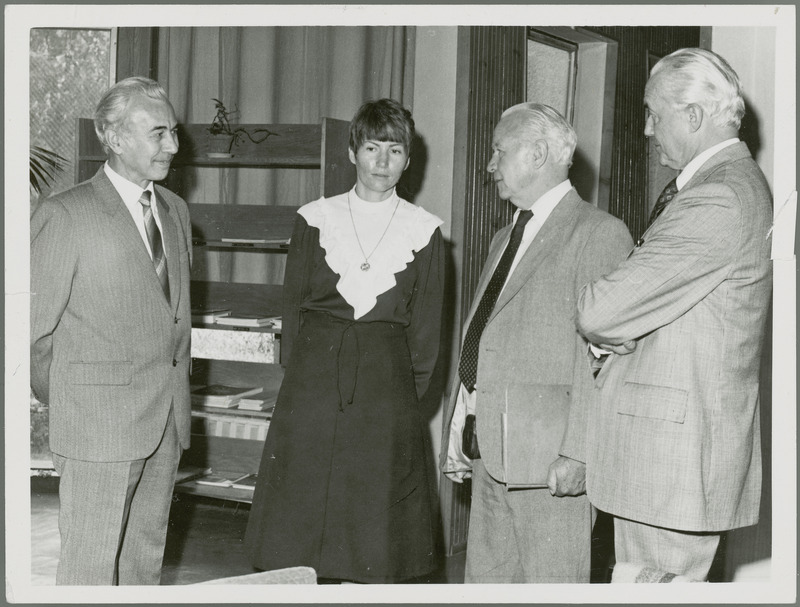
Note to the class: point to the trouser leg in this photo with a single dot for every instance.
(492, 554)
(152, 482)
(678, 552)
(90, 520)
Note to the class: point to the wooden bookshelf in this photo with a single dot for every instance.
(321, 147)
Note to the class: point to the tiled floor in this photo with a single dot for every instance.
(204, 541)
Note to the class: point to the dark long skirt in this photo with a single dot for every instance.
(343, 483)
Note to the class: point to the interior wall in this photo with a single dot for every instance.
(434, 117)
(751, 52)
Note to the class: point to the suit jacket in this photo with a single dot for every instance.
(108, 353)
(675, 439)
(530, 350)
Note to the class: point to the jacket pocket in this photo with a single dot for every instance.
(657, 402)
(113, 373)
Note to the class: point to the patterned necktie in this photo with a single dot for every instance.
(468, 366)
(154, 237)
(665, 196)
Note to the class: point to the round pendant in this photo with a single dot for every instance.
(364, 266)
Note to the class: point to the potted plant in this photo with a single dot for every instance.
(223, 136)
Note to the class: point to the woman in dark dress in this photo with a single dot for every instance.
(344, 482)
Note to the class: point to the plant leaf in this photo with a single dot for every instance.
(44, 164)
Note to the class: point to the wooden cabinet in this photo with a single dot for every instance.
(228, 440)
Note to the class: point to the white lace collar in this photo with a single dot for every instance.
(410, 230)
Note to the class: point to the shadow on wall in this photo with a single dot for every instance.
(411, 182)
(749, 131)
(583, 177)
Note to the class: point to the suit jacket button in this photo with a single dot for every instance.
(176, 320)
(174, 363)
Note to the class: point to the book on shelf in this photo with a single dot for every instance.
(246, 241)
(209, 315)
(219, 479)
(251, 404)
(190, 473)
(247, 320)
(220, 395)
(260, 404)
(248, 481)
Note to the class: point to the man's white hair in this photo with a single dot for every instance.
(698, 76)
(539, 121)
(112, 109)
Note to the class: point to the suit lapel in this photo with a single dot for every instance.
(122, 222)
(543, 245)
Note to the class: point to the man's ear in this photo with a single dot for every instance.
(352, 155)
(694, 115)
(539, 152)
(114, 140)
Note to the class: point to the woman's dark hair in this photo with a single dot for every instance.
(381, 120)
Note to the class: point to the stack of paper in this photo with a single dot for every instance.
(209, 316)
(220, 395)
(220, 479)
(251, 404)
(246, 320)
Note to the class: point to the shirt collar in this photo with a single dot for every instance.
(690, 169)
(128, 191)
(547, 202)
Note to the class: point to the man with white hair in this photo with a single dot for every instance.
(516, 420)
(110, 333)
(674, 451)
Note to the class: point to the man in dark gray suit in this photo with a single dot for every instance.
(110, 333)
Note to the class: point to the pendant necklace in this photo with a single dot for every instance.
(365, 266)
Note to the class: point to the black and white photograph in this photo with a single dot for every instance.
(388, 303)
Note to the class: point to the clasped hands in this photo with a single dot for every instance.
(566, 476)
(624, 348)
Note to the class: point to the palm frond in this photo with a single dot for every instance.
(44, 164)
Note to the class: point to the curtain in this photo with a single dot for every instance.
(275, 75)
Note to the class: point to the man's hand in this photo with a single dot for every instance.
(566, 477)
(622, 349)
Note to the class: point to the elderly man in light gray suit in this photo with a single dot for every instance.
(523, 375)
(674, 450)
(110, 332)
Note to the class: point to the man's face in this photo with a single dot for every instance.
(511, 165)
(146, 141)
(670, 128)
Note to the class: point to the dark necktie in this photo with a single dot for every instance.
(468, 365)
(154, 237)
(665, 196)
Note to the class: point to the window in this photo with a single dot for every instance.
(552, 66)
(574, 71)
(69, 71)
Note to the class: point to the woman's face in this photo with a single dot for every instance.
(379, 165)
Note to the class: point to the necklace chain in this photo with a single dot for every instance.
(365, 266)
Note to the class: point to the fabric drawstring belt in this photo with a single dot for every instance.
(352, 338)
